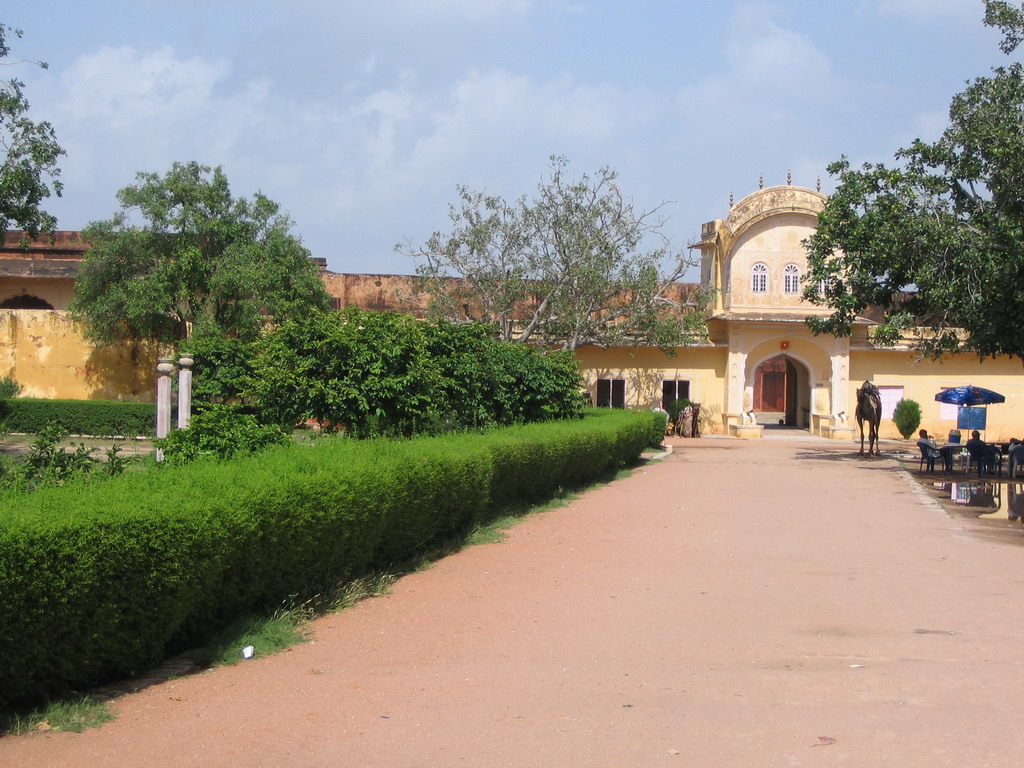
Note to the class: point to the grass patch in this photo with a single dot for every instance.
(266, 635)
(64, 715)
(352, 592)
(285, 627)
(491, 533)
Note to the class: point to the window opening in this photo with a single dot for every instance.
(791, 279)
(759, 278)
(611, 393)
(672, 390)
(890, 396)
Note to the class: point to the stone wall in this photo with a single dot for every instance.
(44, 351)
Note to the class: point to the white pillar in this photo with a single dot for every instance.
(164, 367)
(736, 374)
(184, 390)
(841, 380)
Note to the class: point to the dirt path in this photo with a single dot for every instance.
(740, 603)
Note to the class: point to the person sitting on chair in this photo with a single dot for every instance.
(1016, 456)
(932, 451)
(982, 452)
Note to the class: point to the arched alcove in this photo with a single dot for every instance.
(25, 301)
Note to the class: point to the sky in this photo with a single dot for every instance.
(361, 119)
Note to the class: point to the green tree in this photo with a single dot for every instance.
(565, 269)
(184, 256)
(936, 241)
(29, 172)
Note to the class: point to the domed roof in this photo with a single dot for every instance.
(772, 201)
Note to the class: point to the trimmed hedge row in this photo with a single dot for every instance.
(98, 582)
(79, 417)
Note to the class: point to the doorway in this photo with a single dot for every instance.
(776, 393)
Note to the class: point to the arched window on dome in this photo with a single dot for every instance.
(759, 278)
(791, 279)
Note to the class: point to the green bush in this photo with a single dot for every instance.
(219, 431)
(79, 417)
(485, 381)
(907, 417)
(222, 370)
(9, 388)
(676, 406)
(382, 374)
(99, 581)
(658, 429)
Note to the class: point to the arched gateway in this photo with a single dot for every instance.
(776, 393)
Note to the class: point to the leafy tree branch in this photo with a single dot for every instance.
(937, 239)
(28, 168)
(565, 269)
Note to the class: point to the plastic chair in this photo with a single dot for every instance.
(1016, 458)
(982, 456)
(926, 459)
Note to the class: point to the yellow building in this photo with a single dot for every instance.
(762, 366)
(41, 348)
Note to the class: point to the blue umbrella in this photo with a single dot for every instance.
(968, 395)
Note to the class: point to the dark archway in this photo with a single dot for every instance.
(25, 301)
(775, 392)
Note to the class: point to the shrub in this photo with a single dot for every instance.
(79, 417)
(658, 427)
(368, 371)
(676, 407)
(382, 374)
(485, 381)
(221, 432)
(9, 388)
(47, 464)
(907, 417)
(222, 370)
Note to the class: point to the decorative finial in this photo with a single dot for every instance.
(789, 178)
(760, 181)
(730, 199)
(819, 183)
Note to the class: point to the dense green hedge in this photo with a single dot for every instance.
(101, 581)
(79, 417)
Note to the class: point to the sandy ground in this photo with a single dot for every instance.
(739, 603)
(19, 445)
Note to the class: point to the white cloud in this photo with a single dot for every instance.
(382, 115)
(120, 86)
(495, 115)
(765, 55)
(773, 76)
